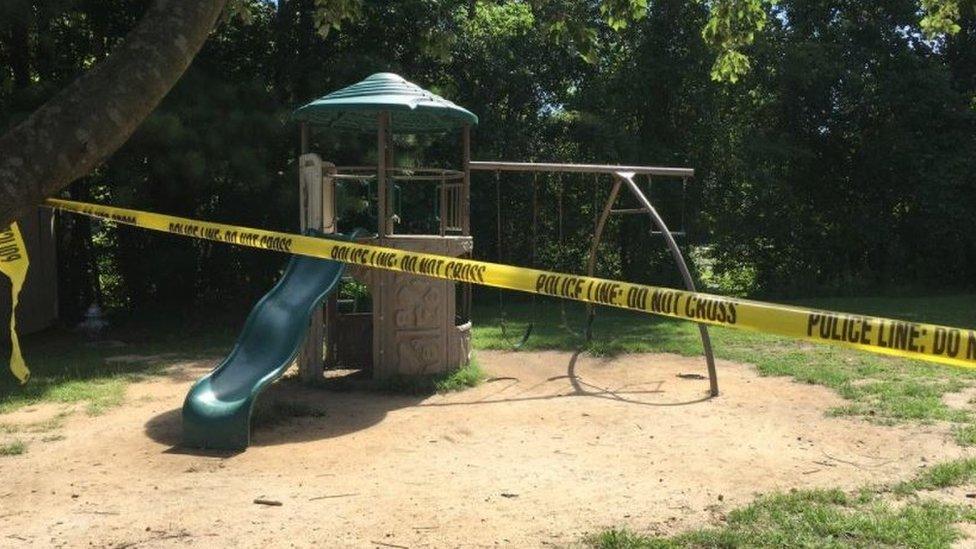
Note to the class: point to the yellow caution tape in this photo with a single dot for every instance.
(955, 346)
(14, 263)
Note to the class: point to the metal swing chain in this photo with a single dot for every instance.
(498, 217)
(684, 205)
(498, 245)
(559, 203)
(535, 221)
(562, 247)
(590, 308)
(502, 317)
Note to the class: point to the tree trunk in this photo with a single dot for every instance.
(87, 121)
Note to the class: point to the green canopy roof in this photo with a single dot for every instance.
(412, 108)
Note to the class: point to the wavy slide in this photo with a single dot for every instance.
(217, 410)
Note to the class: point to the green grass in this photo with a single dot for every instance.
(463, 378)
(942, 475)
(468, 376)
(965, 435)
(44, 426)
(814, 518)
(66, 368)
(14, 448)
(828, 518)
(877, 388)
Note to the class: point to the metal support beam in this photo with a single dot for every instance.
(628, 179)
(491, 166)
(620, 178)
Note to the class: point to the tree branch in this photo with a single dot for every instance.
(90, 119)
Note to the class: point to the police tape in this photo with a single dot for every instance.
(941, 344)
(14, 264)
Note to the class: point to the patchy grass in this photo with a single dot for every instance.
(468, 376)
(620, 538)
(463, 378)
(943, 475)
(99, 389)
(877, 388)
(965, 435)
(47, 425)
(14, 448)
(814, 518)
(67, 368)
(829, 518)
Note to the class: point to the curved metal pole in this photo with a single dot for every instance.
(628, 178)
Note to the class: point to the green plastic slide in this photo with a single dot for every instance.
(217, 410)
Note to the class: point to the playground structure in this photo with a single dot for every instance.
(417, 325)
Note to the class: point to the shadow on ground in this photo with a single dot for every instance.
(290, 412)
(578, 387)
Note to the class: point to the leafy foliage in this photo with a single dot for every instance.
(942, 16)
(732, 27)
(842, 162)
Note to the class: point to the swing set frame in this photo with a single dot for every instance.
(622, 177)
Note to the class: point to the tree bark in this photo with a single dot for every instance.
(90, 119)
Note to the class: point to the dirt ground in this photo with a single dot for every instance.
(552, 447)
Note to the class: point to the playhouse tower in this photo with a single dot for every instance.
(416, 325)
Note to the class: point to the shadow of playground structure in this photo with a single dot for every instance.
(290, 412)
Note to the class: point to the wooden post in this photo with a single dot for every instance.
(378, 293)
(310, 360)
(443, 206)
(465, 213)
(390, 166)
(466, 186)
(329, 226)
(383, 214)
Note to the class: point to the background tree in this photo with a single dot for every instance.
(78, 128)
(841, 161)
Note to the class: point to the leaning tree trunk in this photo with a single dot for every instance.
(87, 121)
